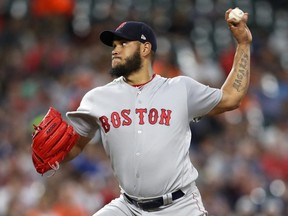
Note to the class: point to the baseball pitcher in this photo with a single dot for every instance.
(144, 120)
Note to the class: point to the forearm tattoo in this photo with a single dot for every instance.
(242, 72)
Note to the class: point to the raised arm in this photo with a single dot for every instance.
(237, 82)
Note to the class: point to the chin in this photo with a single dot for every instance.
(116, 64)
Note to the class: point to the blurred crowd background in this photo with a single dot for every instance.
(50, 55)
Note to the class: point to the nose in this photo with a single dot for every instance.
(115, 50)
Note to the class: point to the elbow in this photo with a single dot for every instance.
(233, 107)
(224, 106)
(231, 101)
(235, 104)
(230, 104)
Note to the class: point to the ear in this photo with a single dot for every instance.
(146, 48)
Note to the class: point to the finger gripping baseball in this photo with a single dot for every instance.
(52, 140)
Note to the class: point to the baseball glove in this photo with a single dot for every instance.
(52, 140)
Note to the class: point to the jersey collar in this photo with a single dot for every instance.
(141, 85)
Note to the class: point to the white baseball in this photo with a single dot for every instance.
(236, 13)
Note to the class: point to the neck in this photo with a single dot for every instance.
(140, 77)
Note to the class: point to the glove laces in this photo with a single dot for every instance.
(54, 167)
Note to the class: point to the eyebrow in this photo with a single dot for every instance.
(120, 40)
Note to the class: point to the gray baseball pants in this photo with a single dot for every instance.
(188, 205)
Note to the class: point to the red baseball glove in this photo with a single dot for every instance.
(52, 139)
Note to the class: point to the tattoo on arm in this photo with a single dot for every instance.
(242, 70)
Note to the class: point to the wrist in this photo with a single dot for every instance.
(244, 44)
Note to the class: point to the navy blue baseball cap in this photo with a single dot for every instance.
(132, 31)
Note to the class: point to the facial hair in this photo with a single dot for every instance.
(132, 65)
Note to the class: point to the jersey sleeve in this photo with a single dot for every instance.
(83, 119)
(201, 99)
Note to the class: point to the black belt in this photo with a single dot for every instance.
(148, 204)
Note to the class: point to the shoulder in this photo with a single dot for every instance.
(183, 80)
(190, 85)
(113, 84)
(180, 81)
(159, 78)
(103, 90)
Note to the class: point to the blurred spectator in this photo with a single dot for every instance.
(66, 202)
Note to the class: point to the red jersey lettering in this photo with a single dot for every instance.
(127, 120)
(165, 117)
(141, 115)
(115, 119)
(153, 116)
(124, 119)
(105, 124)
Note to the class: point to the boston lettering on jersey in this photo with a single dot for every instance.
(143, 116)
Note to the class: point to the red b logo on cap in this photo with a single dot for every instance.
(120, 26)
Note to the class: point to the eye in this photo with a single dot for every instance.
(119, 43)
(124, 43)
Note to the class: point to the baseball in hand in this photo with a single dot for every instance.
(236, 13)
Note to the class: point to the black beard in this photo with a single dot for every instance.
(132, 65)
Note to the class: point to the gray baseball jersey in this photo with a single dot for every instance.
(145, 130)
